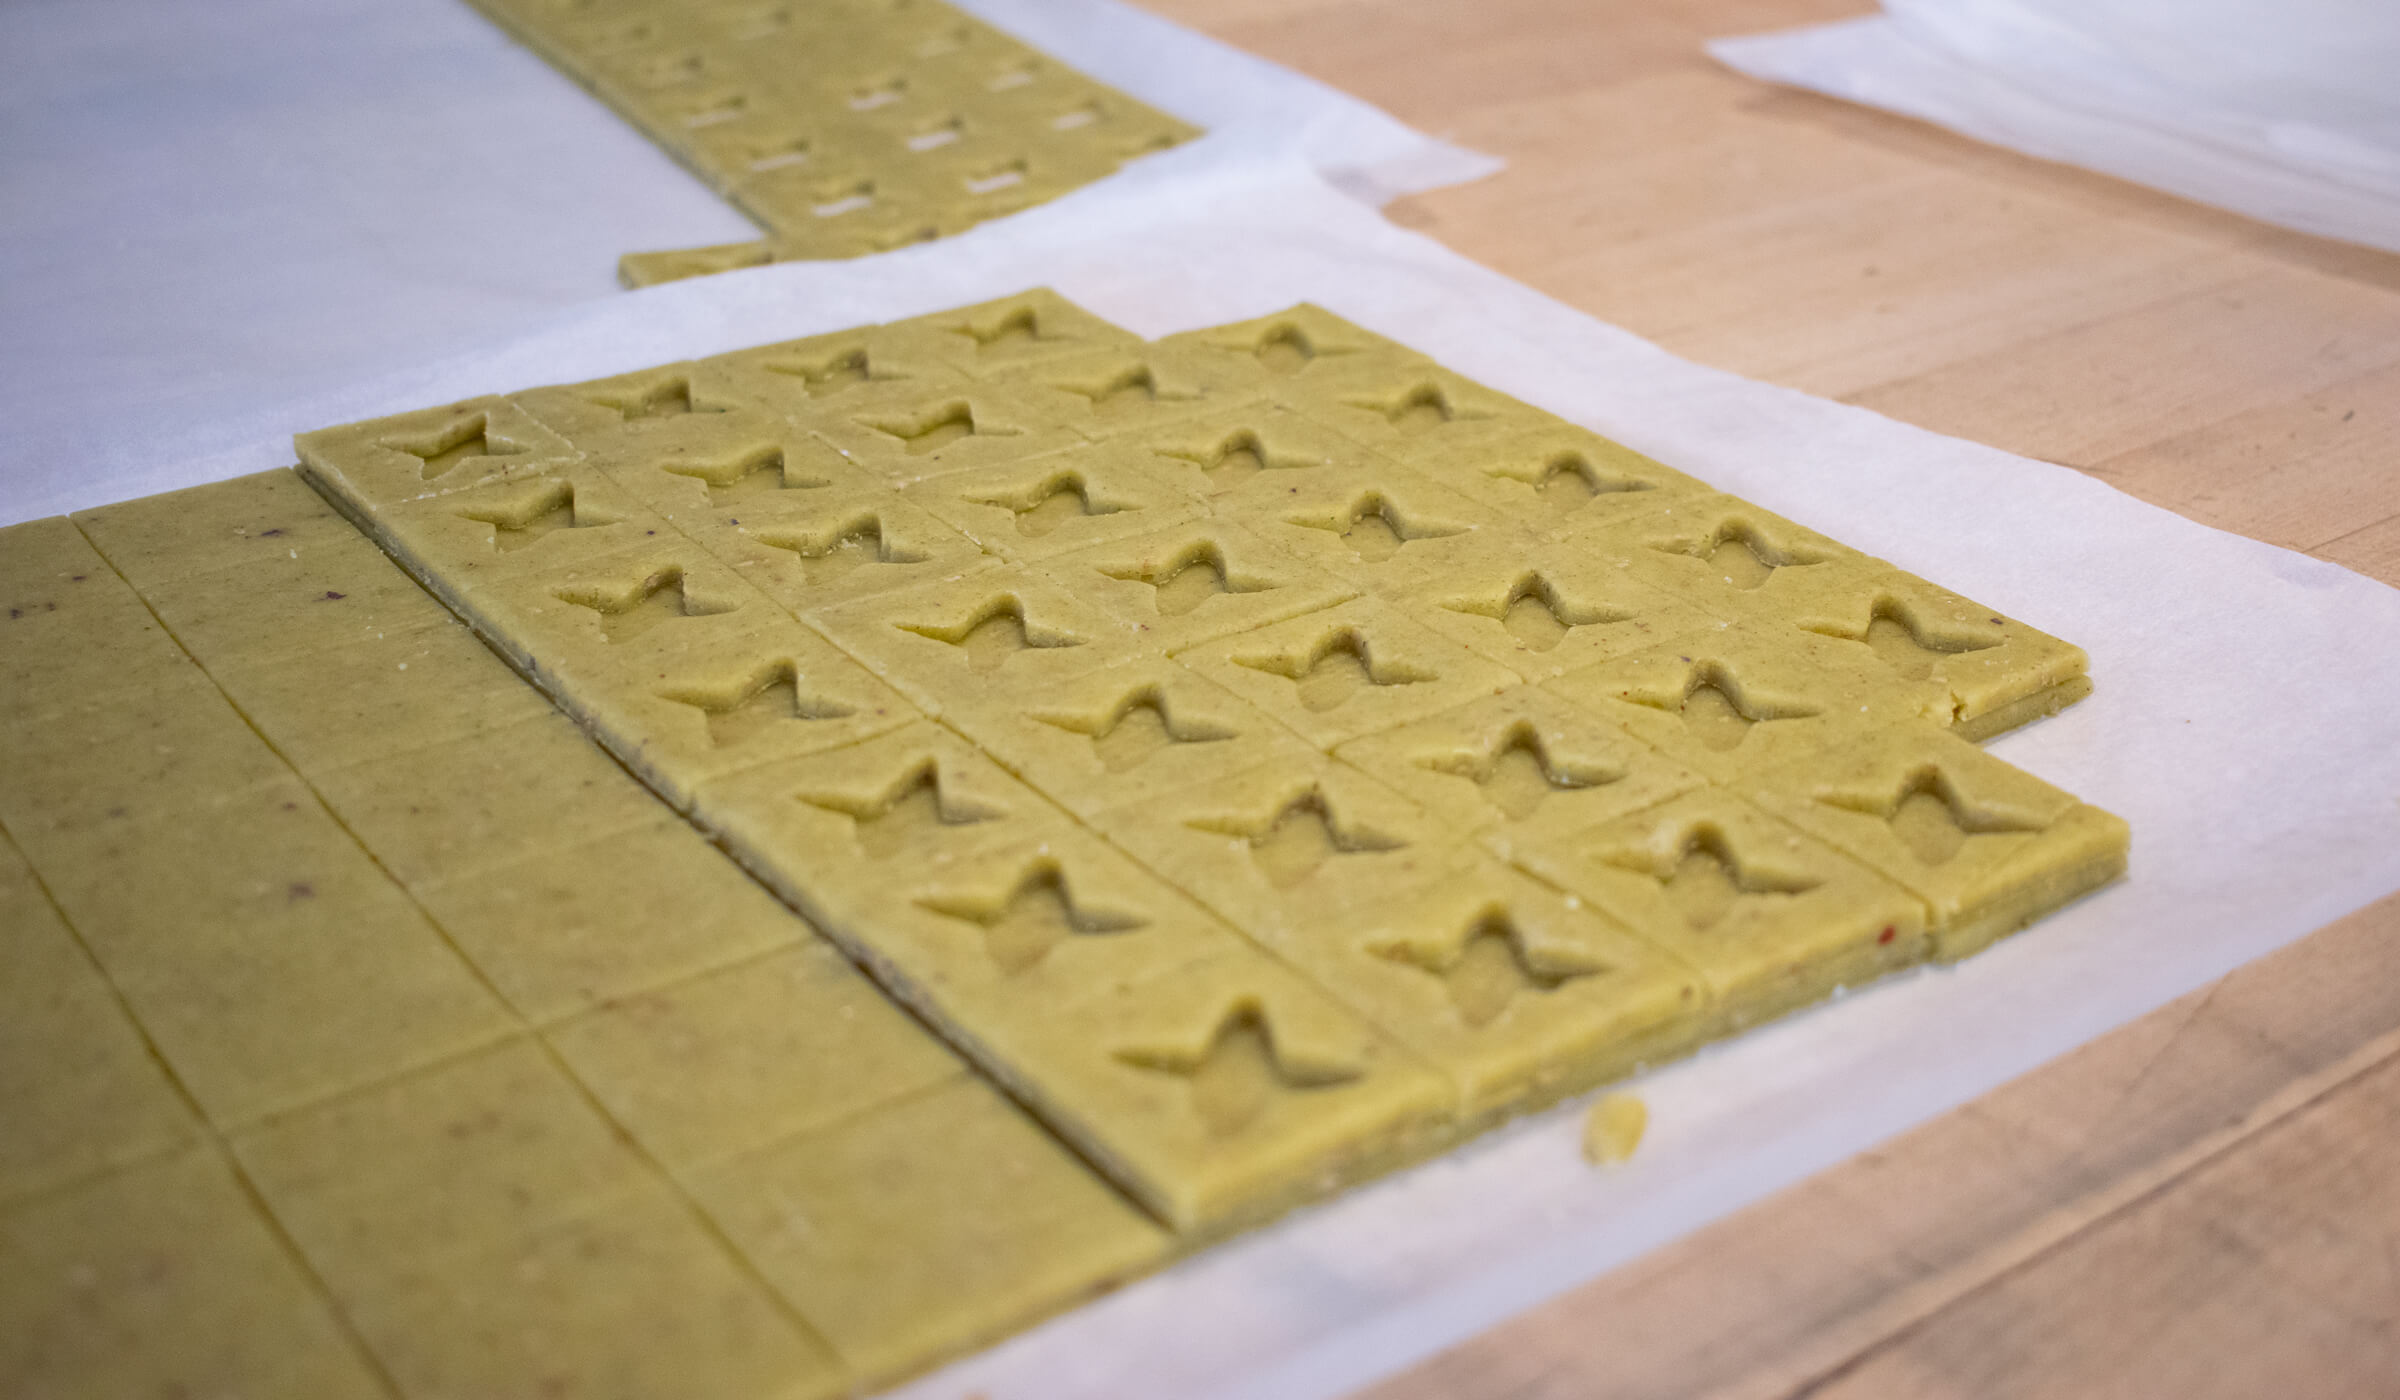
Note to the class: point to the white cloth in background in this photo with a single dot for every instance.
(2242, 722)
(209, 208)
(2284, 110)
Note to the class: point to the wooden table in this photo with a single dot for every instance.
(2207, 1201)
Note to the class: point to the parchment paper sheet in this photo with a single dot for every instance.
(207, 208)
(2245, 722)
(2284, 110)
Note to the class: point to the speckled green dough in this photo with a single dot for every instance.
(458, 1180)
(1217, 769)
(842, 126)
(1269, 638)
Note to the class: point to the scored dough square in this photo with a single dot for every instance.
(1990, 673)
(1553, 479)
(325, 594)
(106, 757)
(995, 1228)
(185, 533)
(475, 1151)
(70, 627)
(1196, 582)
(1114, 737)
(1010, 628)
(656, 411)
(1220, 1091)
(408, 689)
(1010, 334)
(815, 548)
(1516, 994)
(1730, 700)
(1015, 932)
(163, 1280)
(1543, 609)
(486, 799)
(731, 469)
(82, 1090)
(1351, 669)
(529, 525)
(905, 432)
(1987, 846)
(1133, 388)
(632, 1297)
(1719, 553)
(697, 706)
(750, 1054)
(916, 800)
(1045, 506)
(1772, 919)
(431, 452)
(1296, 347)
(1286, 849)
(817, 368)
(481, 1220)
(1409, 409)
(231, 930)
(1520, 762)
(1381, 524)
(1257, 452)
(569, 927)
(647, 597)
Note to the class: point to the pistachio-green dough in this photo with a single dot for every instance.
(1261, 649)
(468, 1011)
(842, 126)
(1174, 779)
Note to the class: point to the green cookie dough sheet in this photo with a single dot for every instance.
(843, 127)
(1266, 753)
(1059, 799)
(368, 1031)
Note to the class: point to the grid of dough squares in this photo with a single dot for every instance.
(843, 127)
(368, 1031)
(1267, 753)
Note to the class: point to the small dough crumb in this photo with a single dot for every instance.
(1614, 1129)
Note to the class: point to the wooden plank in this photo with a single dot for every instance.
(1780, 251)
(1779, 1297)
(2300, 472)
(2373, 550)
(2271, 1269)
(2117, 384)
(1429, 63)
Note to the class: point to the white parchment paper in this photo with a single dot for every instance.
(208, 208)
(2284, 110)
(2244, 722)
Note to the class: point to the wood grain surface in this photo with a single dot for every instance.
(2206, 1202)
